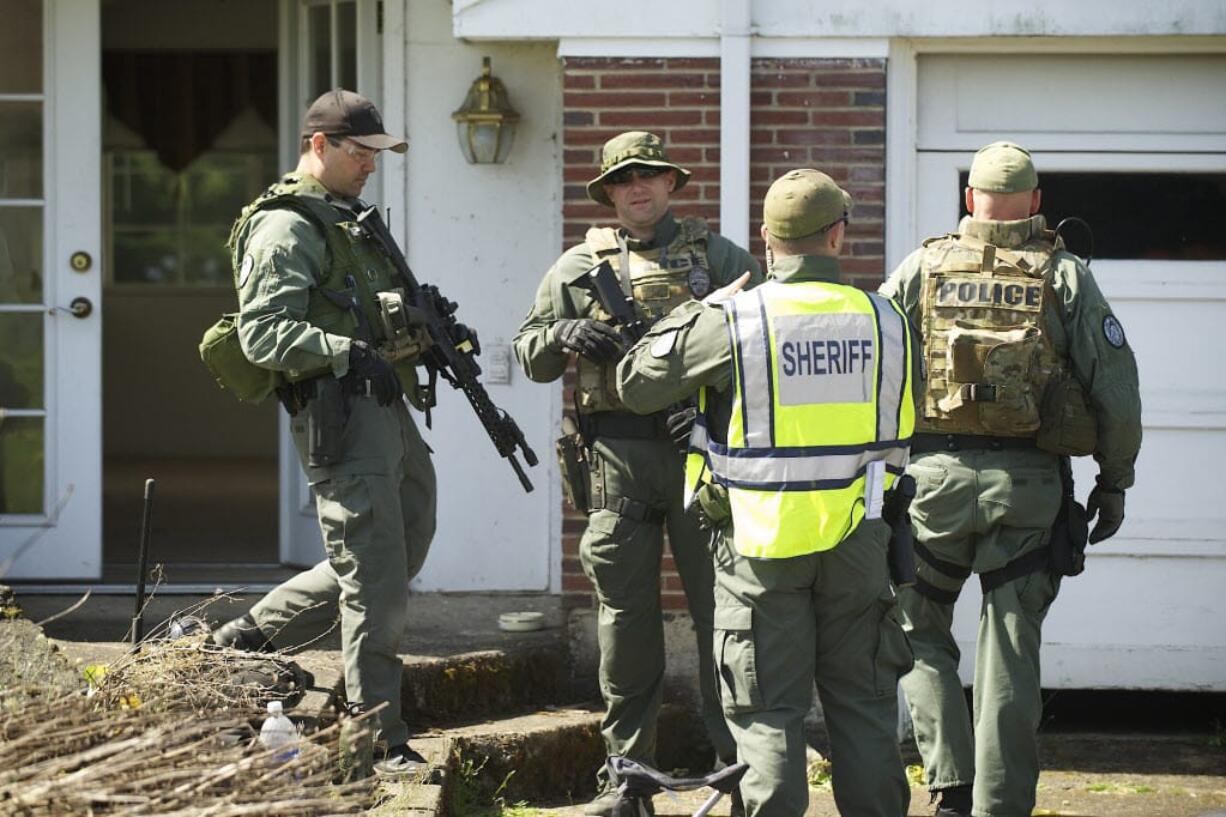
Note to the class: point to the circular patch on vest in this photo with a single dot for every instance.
(699, 281)
(244, 272)
(1113, 332)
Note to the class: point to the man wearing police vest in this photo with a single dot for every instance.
(806, 409)
(1026, 365)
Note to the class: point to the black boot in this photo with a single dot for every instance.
(955, 802)
(242, 634)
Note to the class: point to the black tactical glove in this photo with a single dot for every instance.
(366, 364)
(595, 340)
(680, 423)
(1108, 505)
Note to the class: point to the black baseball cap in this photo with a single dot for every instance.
(344, 113)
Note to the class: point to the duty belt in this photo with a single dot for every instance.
(623, 424)
(295, 396)
(927, 443)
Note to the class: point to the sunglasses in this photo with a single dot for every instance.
(628, 174)
(362, 154)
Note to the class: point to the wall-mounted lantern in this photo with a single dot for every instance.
(485, 123)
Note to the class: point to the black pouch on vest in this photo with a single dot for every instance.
(326, 417)
(1071, 530)
(572, 462)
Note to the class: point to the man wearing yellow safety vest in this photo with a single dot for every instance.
(1027, 365)
(806, 409)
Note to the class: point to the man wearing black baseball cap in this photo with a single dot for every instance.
(304, 271)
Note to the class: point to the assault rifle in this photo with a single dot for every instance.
(616, 302)
(453, 356)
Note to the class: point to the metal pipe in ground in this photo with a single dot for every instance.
(138, 618)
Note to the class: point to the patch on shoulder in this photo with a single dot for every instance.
(244, 271)
(663, 344)
(1114, 332)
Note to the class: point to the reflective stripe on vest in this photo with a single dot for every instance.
(822, 374)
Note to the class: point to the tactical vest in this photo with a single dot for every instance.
(661, 279)
(988, 351)
(823, 398)
(357, 270)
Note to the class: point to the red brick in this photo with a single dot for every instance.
(776, 116)
(614, 63)
(673, 601)
(774, 154)
(781, 79)
(572, 80)
(827, 119)
(637, 80)
(690, 63)
(573, 582)
(812, 136)
(700, 98)
(572, 156)
(813, 99)
(866, 248)
(652, 121)
(584, 136)
(709, 136)
(620, 99)
(866, 79)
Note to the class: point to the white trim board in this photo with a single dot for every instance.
(759, 47)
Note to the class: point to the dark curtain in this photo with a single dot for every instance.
(180, 101)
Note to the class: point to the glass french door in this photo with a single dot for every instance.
(50, 288)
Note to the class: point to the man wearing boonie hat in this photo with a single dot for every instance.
(806, 406)
(632, 470)
(299, 259)
(1027, 366)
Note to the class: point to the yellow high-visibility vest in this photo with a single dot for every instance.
(823, 389)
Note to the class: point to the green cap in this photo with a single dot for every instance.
(634, 147)
(803, 202)
(1003, 167)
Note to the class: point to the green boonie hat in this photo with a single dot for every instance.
(634, 147)
(803, 202)
(1003, 167)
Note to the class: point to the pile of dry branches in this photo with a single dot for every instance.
(169, 729)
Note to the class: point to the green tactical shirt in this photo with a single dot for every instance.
(555, 301)
(1107, 372)
(282, 255)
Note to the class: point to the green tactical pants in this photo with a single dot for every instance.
(781, 624)
(376, 510)
(621, 555)
(975, 511)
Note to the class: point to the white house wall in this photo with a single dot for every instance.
(557, 19)
(486, 235)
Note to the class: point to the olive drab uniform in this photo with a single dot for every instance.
(634, 479)
(309, 280)
(1023, 366)
(807, 391)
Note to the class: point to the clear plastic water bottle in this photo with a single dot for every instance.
(279, 733)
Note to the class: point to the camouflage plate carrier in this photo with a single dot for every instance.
(660, 280)
(358, 272)
(992, 368)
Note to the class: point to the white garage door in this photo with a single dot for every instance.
(1137, 146)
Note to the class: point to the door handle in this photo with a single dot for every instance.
(79, 307)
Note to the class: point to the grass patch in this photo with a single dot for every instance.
(470, 797)
(819, 774)
(1120, 788)
(915, 774)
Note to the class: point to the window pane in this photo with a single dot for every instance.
(347, 42)
(143, 190)
(21, 465)
(146, 256)
(21, 47)
(21, 255)
(1173, 216)
(319, 24)
(21, 150)
(21, 360)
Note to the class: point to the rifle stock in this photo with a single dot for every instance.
(454, 352)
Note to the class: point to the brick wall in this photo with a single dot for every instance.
(828, 114)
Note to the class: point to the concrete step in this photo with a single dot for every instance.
(484, 684)
(553, 755)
